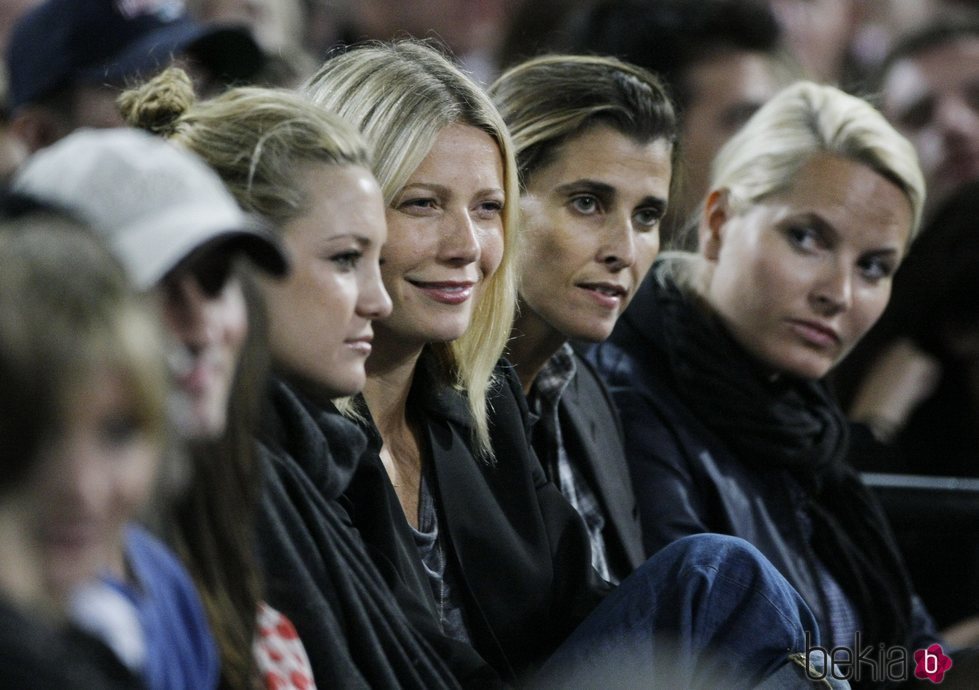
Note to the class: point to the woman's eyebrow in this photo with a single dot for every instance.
(600, 189)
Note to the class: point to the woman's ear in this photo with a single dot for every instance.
(711, 233)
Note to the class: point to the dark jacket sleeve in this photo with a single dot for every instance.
(574, 586)
(670, 502)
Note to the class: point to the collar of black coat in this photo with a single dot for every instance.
(431, 397)
(327, 446)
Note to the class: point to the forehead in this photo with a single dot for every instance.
(602, 151)
(848, 194)
(460, 144)
(342, 199)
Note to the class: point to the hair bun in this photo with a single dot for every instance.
(158, 104)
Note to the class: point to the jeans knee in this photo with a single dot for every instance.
(717, 551)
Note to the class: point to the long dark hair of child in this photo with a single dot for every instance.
(211, 524)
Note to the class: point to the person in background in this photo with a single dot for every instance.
(720, 60)
(472, 30)
(283, 28)
(927, 88)
(179, 234)
(82, 418)
(449, 493)
(595, 172)
(820, 35)
(67, 61)
(717, 366)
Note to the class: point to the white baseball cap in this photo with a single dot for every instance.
(154, 202)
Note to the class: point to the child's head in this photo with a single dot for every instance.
(82, 406)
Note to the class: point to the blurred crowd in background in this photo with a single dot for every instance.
(913, 382)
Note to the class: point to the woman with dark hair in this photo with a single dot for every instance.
(595, 142)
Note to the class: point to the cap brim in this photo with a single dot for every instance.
(265, 252)
(154, 249)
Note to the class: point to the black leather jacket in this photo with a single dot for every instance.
(687, 481)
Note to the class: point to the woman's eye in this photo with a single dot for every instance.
(585, 204)
(489, 209)
(419, 205)
(346, 259)
(647, 218)
(875, 269)
(804, 238)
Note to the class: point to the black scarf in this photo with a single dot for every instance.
(795, 425)
(349, 612)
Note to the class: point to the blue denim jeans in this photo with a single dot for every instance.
(708, 611)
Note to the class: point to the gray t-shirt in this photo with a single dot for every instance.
(441, 572)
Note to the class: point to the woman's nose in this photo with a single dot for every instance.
(460, 239)
(833, 293)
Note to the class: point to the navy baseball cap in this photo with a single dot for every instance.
(64, 42)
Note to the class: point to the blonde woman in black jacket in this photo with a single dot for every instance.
(716, 367)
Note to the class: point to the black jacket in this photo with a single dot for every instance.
(36, 655)
(688, 480)
(521, 549)
(360, 626)
(592, 434)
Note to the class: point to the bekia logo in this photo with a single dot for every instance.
(931, 663)
(879, 664)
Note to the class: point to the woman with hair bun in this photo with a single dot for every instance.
(305, 174)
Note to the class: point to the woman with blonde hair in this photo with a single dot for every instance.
(717, 367)
(304, 173)
(449, 493)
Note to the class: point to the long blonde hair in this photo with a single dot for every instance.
(402, 95)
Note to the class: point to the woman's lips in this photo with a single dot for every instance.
(446, 292)
(198, 379)
(608, 295)
(815, 333)
(360, 345)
